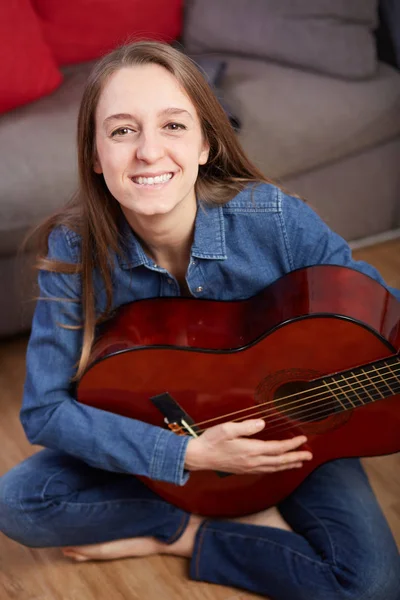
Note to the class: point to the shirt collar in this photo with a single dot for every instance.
(209, 239)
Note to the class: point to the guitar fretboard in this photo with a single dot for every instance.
(361, 386)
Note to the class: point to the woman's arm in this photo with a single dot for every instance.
(309, 241)
(50, 415)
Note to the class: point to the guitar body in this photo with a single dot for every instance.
(223, 361)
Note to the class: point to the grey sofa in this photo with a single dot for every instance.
(334, 140)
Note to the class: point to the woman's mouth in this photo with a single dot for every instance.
(157, 180)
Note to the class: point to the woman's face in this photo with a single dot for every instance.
(148, 140)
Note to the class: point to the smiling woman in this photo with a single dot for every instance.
(169, 205)
(151, 149)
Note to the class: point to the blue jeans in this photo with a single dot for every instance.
(341, 547)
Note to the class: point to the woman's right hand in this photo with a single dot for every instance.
(226, 448)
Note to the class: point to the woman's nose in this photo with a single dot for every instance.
(149, 148)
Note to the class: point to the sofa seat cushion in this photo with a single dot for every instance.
(293, 120)
(38, 171)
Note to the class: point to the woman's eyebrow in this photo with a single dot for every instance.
(167, 111)
(175, 111)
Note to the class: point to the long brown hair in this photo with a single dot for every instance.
(93, 211)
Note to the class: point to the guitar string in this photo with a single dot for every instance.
(332, 402)
(304, 392)
(368, 381)
(320, 414)
(322, 387)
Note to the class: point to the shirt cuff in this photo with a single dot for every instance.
(168, 461)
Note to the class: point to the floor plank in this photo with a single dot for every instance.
(32, 574)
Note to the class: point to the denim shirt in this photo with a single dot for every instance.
(239, 249)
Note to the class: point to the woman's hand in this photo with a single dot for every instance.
(225, 448)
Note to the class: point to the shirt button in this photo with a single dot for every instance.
(199, 289)
(169, 281)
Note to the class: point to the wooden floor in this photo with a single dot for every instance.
(27, 574)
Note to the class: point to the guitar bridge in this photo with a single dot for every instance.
(175, 417)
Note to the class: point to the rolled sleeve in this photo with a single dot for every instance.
(169, 458)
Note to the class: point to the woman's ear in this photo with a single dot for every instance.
(203, 158)
(96, 165)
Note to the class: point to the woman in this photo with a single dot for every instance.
(169, 205)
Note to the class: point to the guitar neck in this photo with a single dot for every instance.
(363, 385)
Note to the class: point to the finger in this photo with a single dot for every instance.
(286, 459)
(282, 446)
(295, 465)
(282, 468)
(232, 430)
(271, 468)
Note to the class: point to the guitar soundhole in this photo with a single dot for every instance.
(290, 398)
(299, 402)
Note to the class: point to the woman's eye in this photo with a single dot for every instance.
(121, 131)
(175, 126)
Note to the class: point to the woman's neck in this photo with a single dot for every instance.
(167, 239)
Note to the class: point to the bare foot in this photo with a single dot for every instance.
(141, 546)
(147, 546)
(137, 547)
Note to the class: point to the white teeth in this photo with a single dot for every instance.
(153, 180)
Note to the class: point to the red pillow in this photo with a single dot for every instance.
(79, 30)
(27, 68)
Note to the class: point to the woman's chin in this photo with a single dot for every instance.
(149, 209)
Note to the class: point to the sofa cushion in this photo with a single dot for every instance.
(294, 121)
(28, 70)
(38, 172)
(81, 30)
(335, 38)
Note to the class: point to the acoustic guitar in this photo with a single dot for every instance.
(315, 353)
